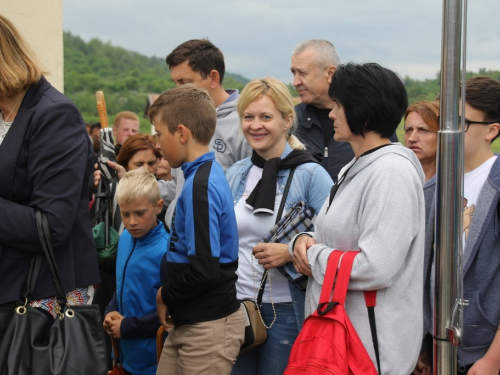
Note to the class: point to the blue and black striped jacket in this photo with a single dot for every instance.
(202, 252)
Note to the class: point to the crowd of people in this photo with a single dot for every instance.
(195, 201)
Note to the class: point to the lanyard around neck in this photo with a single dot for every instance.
(339, 182)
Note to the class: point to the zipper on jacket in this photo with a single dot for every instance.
(123, 277)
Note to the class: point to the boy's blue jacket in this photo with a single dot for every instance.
(202, 253)
(137, 282)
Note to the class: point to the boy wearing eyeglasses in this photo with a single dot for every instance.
(479, 352)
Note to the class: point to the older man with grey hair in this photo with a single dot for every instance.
(313, 64)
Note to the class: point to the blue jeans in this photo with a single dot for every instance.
(271, 357)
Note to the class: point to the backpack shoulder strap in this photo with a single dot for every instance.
(371, 301)
(325, 303)
(344, 274)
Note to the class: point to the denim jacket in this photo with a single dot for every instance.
(311, 184)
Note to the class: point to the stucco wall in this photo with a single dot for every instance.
(40, 23)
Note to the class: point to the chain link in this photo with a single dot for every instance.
(267, 274)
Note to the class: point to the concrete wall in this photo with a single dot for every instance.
(41, 25)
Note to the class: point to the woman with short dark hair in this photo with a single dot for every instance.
(376, 207)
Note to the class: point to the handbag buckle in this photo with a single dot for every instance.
(21, 310)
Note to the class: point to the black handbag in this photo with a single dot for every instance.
(30, 344)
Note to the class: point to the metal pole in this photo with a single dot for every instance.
(449, 203)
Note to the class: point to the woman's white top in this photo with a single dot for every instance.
(251, 230)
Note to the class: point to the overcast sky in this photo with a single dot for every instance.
(257, 36)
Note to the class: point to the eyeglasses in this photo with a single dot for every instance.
(470, 122)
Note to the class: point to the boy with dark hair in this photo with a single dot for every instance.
(480, 349)
(204, 319)
(131, 314)
(200, 63)
(201, 56)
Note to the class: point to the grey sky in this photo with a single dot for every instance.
(257, 36)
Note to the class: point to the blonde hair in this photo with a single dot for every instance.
(281, 97)
(19, 67)
(124, 115)
(137, 184)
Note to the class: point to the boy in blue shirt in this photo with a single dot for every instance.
(131, 314)
(198, 302)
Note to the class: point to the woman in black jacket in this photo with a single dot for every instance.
(45, 161)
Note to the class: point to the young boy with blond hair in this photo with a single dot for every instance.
(131, 315)
(198, 302)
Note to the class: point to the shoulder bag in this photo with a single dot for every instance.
(31, 344)
(255, 328)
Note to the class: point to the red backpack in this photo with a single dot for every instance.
(328, 342)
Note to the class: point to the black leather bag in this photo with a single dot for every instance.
(30, 344)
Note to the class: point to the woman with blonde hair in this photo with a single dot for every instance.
(45, 163)
(266, 110)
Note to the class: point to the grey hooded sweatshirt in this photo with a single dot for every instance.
(378, 209)
(228, 143)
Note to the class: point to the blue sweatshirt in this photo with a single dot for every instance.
(202, 253)
(137, 282)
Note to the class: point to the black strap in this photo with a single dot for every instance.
(32, 277)
(338, 182)
(278, 217)
(498, 209)
(373, 329)
(103, 200)
(42, 225)
(336, 186)
(285, 195)
(98, 214)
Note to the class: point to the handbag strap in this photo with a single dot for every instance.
(285, 195)
(42, 225)
(32, 276)
(371, 301)
(278, 218)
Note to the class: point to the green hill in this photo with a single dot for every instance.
(125, 77)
